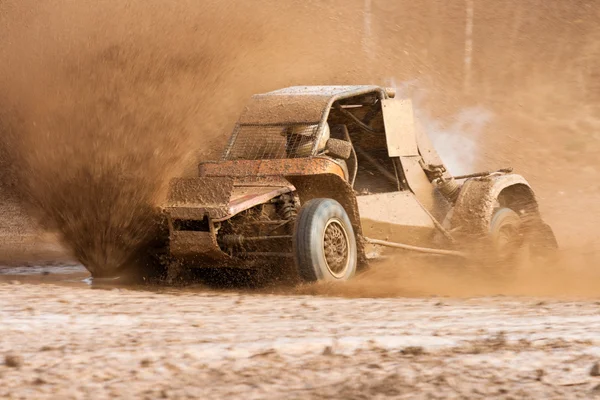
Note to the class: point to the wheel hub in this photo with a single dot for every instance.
(335, 245)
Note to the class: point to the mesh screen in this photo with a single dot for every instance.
(252, 142)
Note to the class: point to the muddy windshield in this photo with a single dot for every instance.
(258, 142)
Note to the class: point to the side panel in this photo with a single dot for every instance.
(395, 216)
(399, 127)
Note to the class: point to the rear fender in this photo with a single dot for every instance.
(478, 197)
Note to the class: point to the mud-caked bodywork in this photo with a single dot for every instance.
(330, 176)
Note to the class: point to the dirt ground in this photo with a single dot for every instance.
(63, 339)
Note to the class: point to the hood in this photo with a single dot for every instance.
(219, 197)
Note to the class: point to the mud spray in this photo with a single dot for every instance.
(102, 104)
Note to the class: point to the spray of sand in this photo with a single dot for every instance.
(94, 158)
(97, 130)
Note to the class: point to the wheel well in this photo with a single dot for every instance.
(520, 198)
(479, 197)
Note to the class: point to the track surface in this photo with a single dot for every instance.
(67, 340)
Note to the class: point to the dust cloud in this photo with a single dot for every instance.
(573, 275)
(100, 105)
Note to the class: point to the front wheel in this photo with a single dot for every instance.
(324, 242)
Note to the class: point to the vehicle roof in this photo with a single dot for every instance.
(298, 104)
(324, 91)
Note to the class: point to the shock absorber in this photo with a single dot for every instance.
(289, 208)
(447, 185)
(449, 188)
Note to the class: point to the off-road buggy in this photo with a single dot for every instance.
(326, 177)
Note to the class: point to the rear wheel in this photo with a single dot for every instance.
(506, 234)
(324, 242)
(514, 239)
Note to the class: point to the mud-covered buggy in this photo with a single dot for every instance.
(326, 177)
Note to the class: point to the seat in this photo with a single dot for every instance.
(340, 131)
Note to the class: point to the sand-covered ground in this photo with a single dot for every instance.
(63, 339)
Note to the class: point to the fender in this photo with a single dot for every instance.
(479, 197)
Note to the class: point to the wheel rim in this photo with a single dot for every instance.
(336, 246)
(507, 241)
(507, 238)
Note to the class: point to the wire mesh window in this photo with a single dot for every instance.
(257, 142)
